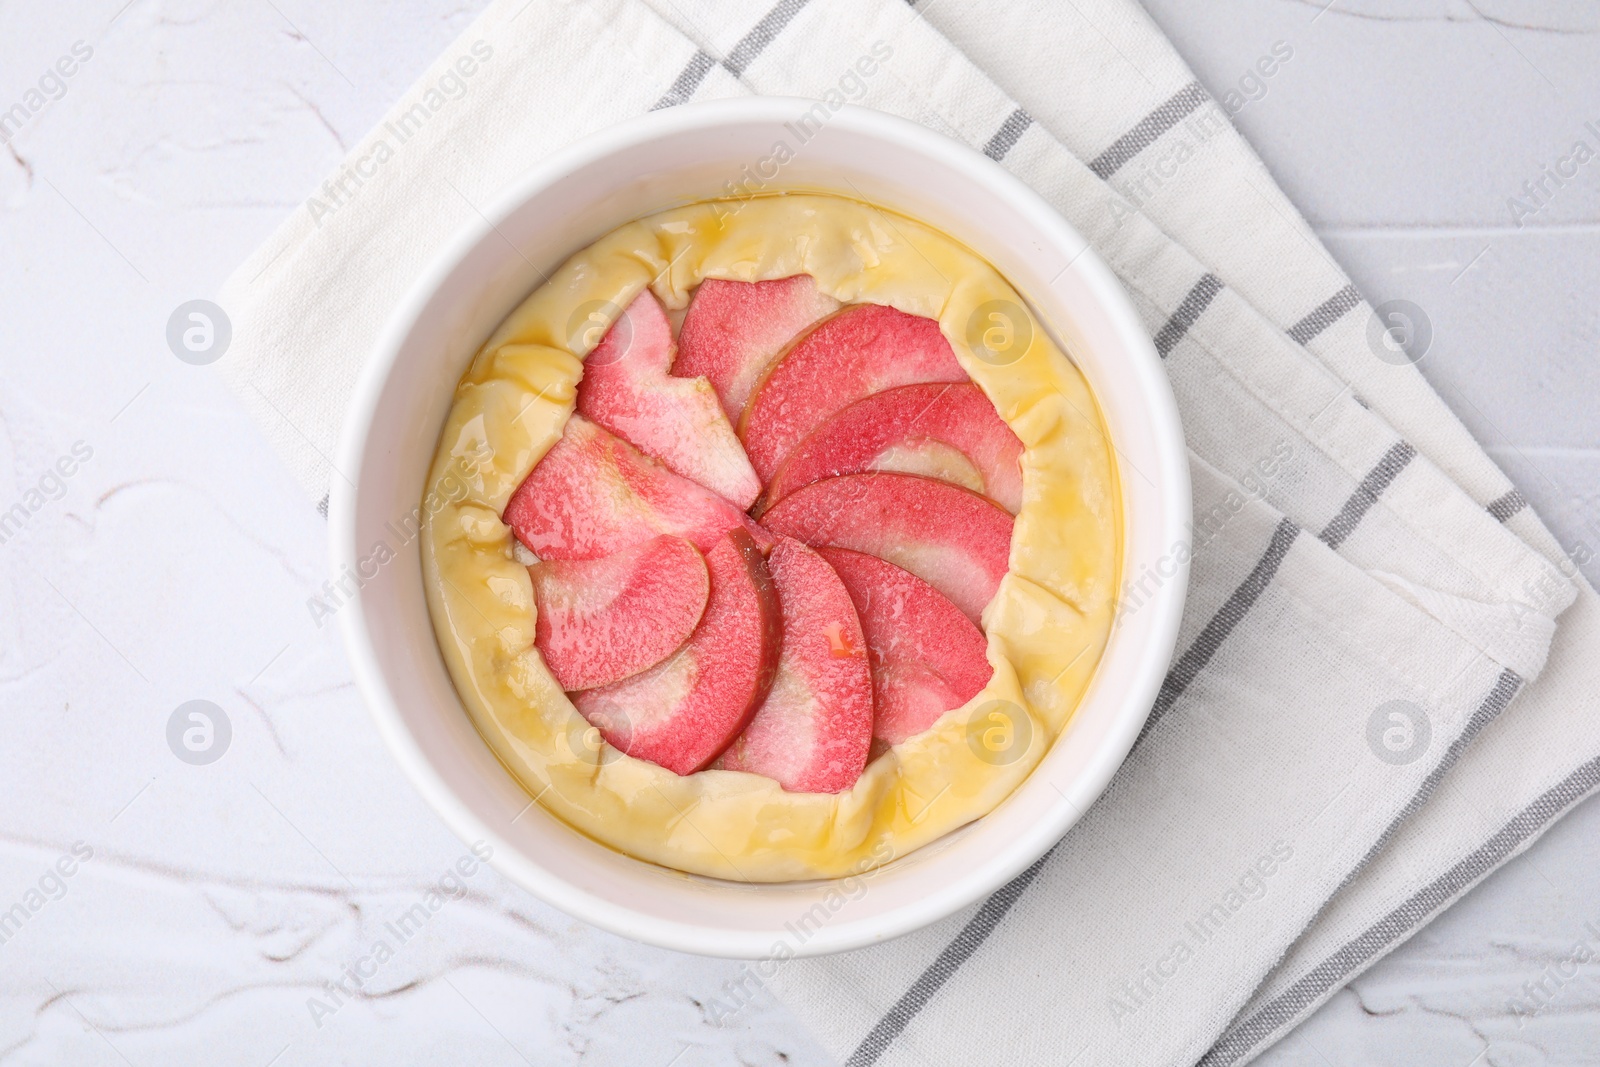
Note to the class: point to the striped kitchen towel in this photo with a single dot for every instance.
(1372, 610)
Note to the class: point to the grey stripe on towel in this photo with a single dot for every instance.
(739, 57)
(1505, 687)
(1326, 314)
(687, 81)
(1148, 130)
(1232, 612)
(1503, 507)
(1010, 131)
(1194, 305)
(765, 31)
(1379, 478)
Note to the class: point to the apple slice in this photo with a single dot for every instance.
(603, 620)
(913, 698)
(678, 421)
(734, 330)
(684, 711)
(863, 349)
(926, 656)
(956, 540)
(594, 494)
(813, 732)
(950, 432)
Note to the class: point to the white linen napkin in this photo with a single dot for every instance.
(1369, 592)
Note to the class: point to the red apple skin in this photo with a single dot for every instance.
(956, 540)
(677, 421)
(733, 331)
(926, 655)
(858, 438)
(813, 732)
(683, 712)
(603, 620)
(864, 349)
(594, 494)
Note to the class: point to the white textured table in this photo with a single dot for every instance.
(175, 560)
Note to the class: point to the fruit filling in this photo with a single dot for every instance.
(684, 710)
(766, 544)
